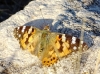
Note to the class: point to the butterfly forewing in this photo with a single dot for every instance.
(28, 37)
(48, 46)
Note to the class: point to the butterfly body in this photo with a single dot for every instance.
(48, 46)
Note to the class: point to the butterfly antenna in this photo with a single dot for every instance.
(42, 16)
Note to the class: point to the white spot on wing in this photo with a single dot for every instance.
(23, 29)
(19, 35)
(17, 28)
(81, 42)
(30, 30)
(74, 47)
(73, 40)
(63, 38)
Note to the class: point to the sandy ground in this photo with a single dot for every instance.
(63, 16)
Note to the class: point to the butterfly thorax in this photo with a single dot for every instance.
(47, 40)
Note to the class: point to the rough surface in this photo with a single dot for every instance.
(63, 16)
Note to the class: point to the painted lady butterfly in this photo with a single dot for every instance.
(48, 46)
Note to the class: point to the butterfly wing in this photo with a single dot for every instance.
(59, 45)
(38, 42)
(29, 38)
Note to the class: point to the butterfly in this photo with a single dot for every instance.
(46, 45)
